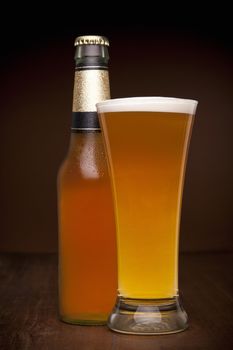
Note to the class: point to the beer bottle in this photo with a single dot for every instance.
(87, 250)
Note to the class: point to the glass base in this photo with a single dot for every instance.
(148, 317)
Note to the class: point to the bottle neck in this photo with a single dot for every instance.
(91, 85)
(80, 140)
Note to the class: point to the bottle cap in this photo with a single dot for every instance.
(91, 40)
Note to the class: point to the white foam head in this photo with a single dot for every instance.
(148, 104)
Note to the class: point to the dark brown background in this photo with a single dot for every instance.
(182, 54)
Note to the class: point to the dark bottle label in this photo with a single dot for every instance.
(85, 122)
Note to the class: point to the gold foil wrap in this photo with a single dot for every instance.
(90, 87)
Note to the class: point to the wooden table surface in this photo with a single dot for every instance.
(28, 308)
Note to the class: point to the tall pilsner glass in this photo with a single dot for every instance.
(147, 140)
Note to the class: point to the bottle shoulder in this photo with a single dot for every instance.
(85, 158)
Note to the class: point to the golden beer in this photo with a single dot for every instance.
(147, 142)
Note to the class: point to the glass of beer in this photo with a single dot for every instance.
(147, 141)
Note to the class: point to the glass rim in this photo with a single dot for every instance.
(148, 104)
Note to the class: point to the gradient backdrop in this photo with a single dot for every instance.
(182, 55)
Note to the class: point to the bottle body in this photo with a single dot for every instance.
(87, 246)
(87, 267)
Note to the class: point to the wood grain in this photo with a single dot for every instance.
(28, 308)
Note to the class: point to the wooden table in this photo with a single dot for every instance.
(28, 308)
